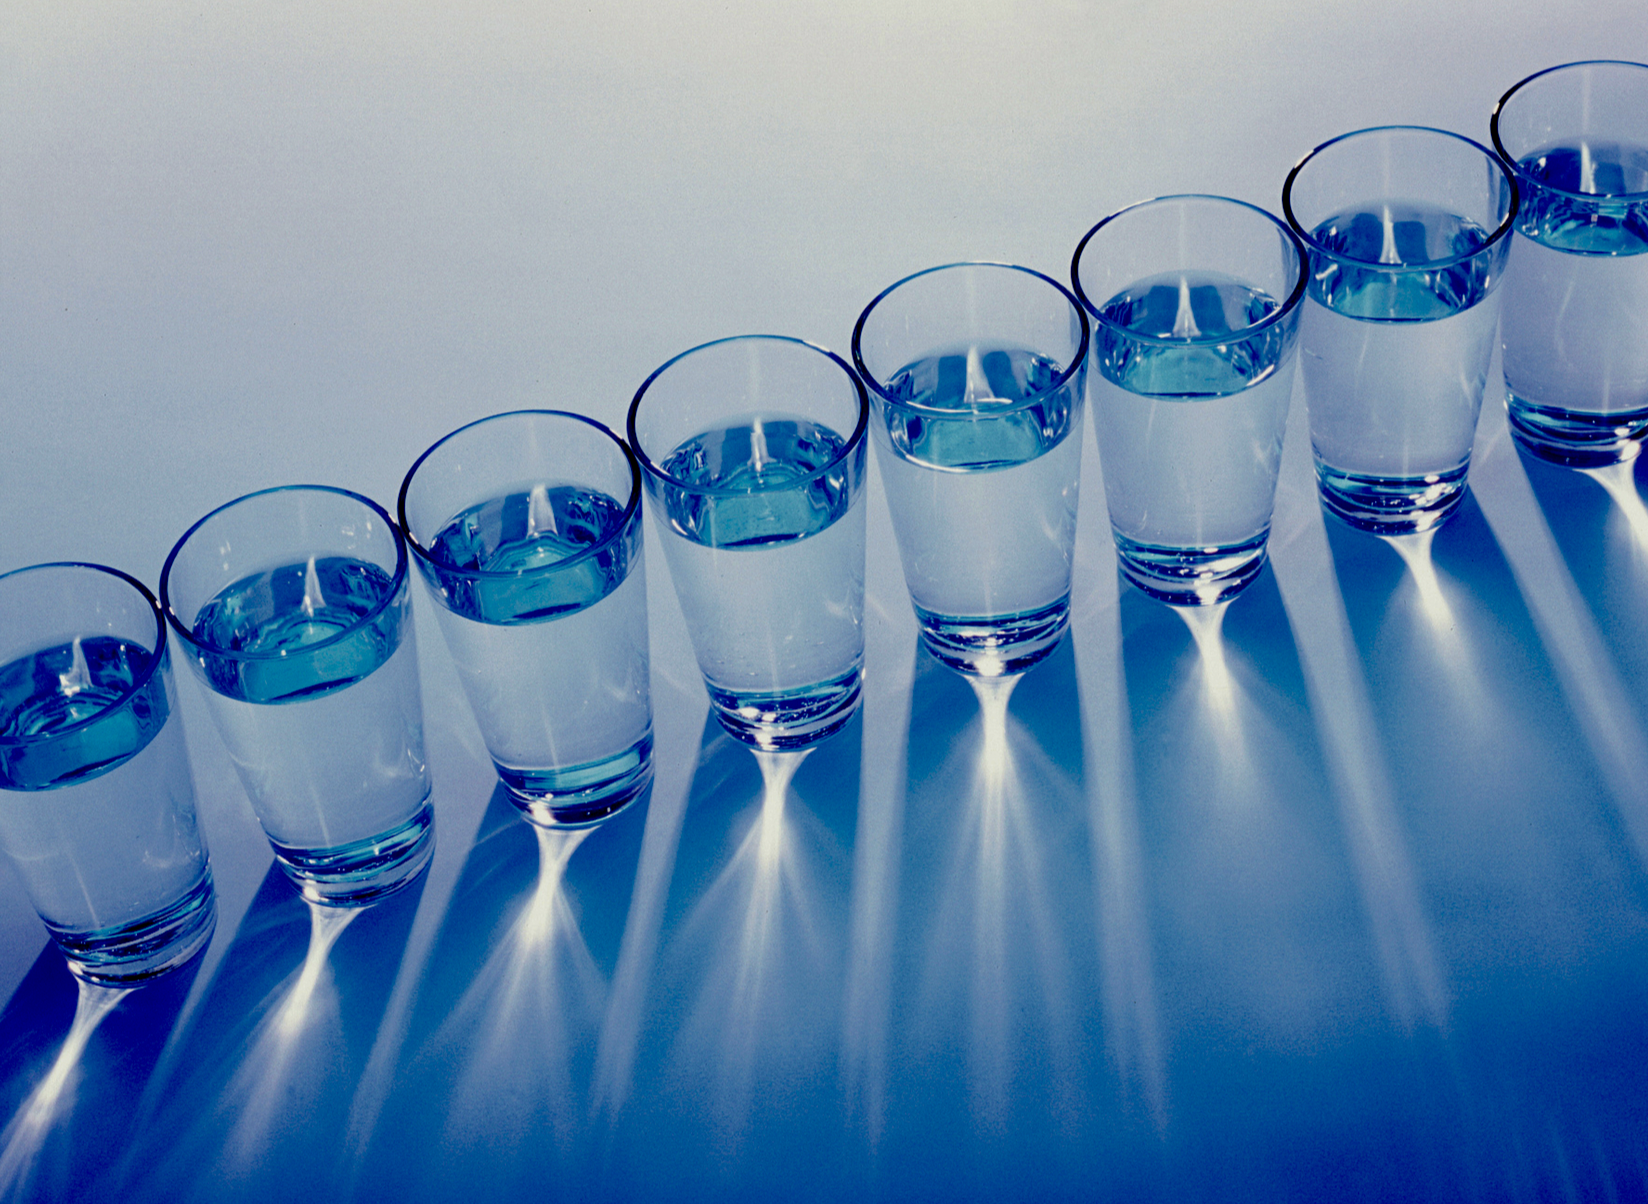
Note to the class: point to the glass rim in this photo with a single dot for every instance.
(1077, 360)
(1294, 297)
(1394, 269)
(156, 656)
(848, 447)
(1515, 166)
(370, 616)
(631, 506)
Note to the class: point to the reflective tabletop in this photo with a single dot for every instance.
(1338, 892)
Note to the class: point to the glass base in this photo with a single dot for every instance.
(1391, 505)
(1574, 438)
(362, 871)
(790, 719)
(129, 954)
(580, 795)
(994, 645)
(1201, 576)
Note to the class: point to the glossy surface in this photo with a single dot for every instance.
(1348, 902)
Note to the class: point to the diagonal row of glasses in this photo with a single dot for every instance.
(1387, 285)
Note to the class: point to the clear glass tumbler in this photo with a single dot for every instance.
(1195, 302)
(1408, 230)
(978, 371)
(753, 450)
(293, 607)
(1575, 326)
(97, 803)
(526, 528)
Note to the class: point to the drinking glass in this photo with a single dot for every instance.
(1575, 326)
(292, 604)
(753, 449)
(526, 527)
(97, 805)
(978, 372)
(1408, 232)
(1195, 301)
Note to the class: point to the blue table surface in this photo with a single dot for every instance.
(1342, 897)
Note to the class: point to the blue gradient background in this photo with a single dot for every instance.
(1343, 900)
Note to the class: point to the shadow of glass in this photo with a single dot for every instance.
(736, 1064)
(35, 1020)
(75, 1061)
(1288, 1076)
(1258, 930)
(1503, 805)
(995, 970)
(1536, 904)
(1600, 523)
(254, 1092)
(493, 1085)
(1278, 1033)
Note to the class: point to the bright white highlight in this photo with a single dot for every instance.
(54, 1096)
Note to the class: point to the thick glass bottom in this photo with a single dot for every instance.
(1391, 505)
(129, 954)
(1575, 438)
(362, 871)
(789, 719)
(579, 795)
(1201, 576)
(994, 645)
